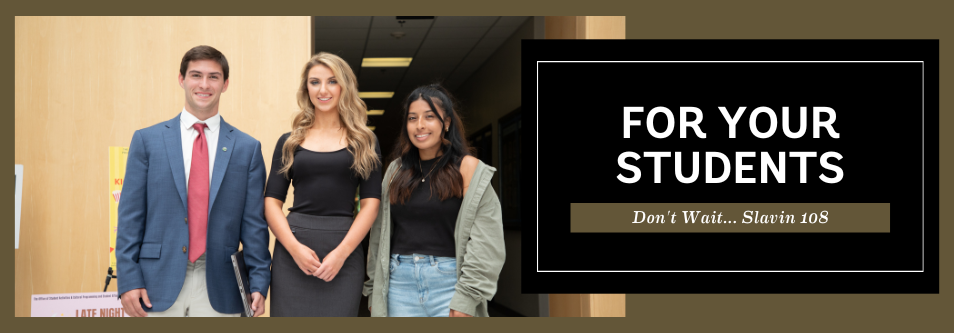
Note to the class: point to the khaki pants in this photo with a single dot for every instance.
(193, 300)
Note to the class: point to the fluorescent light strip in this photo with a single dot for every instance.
(386, 62)
(376, 94)
(375, 112)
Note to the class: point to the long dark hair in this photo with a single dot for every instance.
(446, 180)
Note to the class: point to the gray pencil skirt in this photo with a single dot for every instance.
(295, 294)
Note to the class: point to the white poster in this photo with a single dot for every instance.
(77, 305)
(19, 180)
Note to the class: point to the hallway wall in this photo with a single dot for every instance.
(492, 92)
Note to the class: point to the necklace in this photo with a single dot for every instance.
(422, 169)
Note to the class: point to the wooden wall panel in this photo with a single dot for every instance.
(585, 27)
(587, 305)
(604, 27)
(86, 83)
(566, 305)
(561, 27)
(604, 305)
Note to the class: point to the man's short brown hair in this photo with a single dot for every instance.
(203, 52)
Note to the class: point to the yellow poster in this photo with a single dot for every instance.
(117, 170)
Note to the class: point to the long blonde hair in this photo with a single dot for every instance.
(352, 112)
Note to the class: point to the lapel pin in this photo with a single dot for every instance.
(224, 149)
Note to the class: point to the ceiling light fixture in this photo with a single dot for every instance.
(376, 94)
(386, 62)
(375, 112)
(403, 19)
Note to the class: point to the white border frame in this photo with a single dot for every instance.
(734, 271)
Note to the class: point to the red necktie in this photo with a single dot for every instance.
(198, 194)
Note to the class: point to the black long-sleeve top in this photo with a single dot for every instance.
(324, 182)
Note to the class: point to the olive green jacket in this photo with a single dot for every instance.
(478, 235)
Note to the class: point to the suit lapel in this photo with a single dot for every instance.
(222, 156)
(172, 136)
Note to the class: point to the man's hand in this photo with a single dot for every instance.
(130, 300)
(258, 304)
(455, 313)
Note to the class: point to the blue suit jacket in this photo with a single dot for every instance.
(153, 231)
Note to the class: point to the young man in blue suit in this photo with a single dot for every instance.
(193, 191)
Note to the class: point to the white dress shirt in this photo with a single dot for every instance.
(186, 120)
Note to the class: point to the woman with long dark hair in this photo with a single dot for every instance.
(437, 245)
(318, 262)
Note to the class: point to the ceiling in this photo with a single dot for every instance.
(447, 49)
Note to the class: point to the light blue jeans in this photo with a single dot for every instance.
(421, 285)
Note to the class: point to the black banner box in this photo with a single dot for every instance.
(598, 109)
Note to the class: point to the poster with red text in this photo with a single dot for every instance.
(117, 170)
(77, 305)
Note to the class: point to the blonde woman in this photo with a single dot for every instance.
(318, 266)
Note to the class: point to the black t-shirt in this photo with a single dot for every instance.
(425, 224)
(324, 182)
